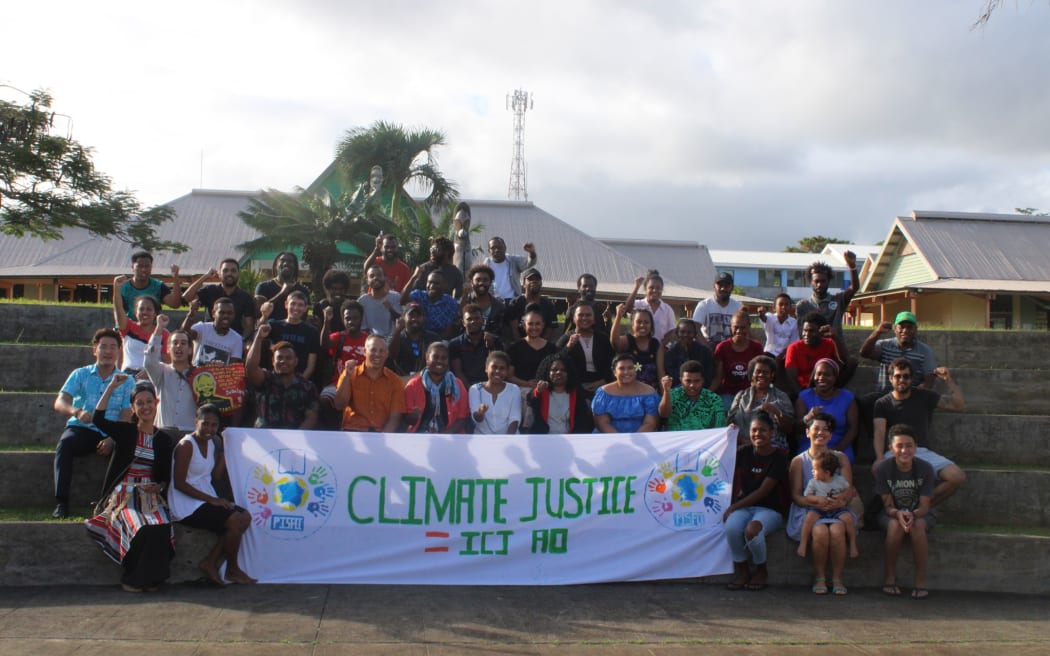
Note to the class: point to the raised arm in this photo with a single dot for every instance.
(633, 294)
(953, 400)
(174, 298)
(868, 349)
(665, 398)
(191, 291)
(120, 315)
(617, 341)
(370, 260)
(854, 278)
(190, 318)
(253, 373)
(406, 293)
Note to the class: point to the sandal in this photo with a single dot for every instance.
(838, 588)
(820, 587)
(920, 593)
(891, 589)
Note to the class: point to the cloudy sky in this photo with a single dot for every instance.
(735, 124)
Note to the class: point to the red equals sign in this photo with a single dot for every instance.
(436, 534)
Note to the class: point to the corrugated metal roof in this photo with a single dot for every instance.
(982, 246)
(972, 285)
(565, 252)
(206, 220)
(683, 262)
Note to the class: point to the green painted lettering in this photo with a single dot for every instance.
(354, 517)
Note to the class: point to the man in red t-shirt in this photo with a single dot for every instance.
(802, 356)
(397, 272)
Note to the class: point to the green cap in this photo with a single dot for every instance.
(905, 316)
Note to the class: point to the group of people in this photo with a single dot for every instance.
(432, 350)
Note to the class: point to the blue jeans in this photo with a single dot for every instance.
(736, 524)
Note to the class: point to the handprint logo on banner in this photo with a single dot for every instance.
(290, 494)
(690, 493)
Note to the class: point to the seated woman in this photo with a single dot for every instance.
(639, 342)
(558, 405)
(436, 400)
(758, 503)
(625, 405)
(495, 405)
(823, 395)
(194, 501)
(829, 535)
(134, 528)
(762, 395)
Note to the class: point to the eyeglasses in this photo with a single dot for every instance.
(901, 376)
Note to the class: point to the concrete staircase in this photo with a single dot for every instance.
(994, 535)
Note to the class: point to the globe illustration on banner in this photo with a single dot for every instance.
(290, 493)
(688, 494)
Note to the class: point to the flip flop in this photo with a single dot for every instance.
(891, 589)
(838, 588)
(920, 593)
(820, 587)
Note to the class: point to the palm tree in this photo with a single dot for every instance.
(312, 221)
(407, 159)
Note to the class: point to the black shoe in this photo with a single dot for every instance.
(61, 511)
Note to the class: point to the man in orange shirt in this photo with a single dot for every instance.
(371, 397)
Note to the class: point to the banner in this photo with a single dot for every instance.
(222, 385)
(340, 507)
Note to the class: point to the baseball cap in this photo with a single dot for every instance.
(530, 272)
(724, 277)
(905, 316)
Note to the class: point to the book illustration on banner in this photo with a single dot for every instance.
(689, 494)
(290, 494)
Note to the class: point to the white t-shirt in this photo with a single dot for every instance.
(779, 335)
(715, 320)
(501, 286)
(210, 345)
(501, 413)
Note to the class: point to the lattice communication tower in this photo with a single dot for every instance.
(519, 102)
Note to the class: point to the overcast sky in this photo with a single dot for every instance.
(735, 124)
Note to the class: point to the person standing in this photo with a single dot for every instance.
(714, 315)
(244, 310)
(508, 269)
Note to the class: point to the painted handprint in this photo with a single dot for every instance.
(324, 491)
(711, 466)
(657, 485)
(261, 497)
(317, 474)
(716, 487)
(263, 473)
(711, 503)
(316, 508)
(261, 517)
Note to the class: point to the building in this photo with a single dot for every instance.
(962, 270)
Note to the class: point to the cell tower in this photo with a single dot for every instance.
(519, 101)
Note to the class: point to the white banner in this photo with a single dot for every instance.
(337, 507)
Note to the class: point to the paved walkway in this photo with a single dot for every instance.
(644, 618)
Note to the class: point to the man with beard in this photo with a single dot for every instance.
(468, 351)
(441, 251)
(285, 281)
(336, 285)
(244, 312)
(914, 407)
(381, 304)
(714, 315)
(531, 299)
(801, 356)
(215, 340)
(394, 268)
(284, 398)
(478, 291)
(409, 344)
(371, 396)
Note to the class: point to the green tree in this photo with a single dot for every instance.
(407, 159)
(48, 183)
(814, 244)
(312, 221)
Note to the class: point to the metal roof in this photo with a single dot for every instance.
(565, 252)
(206, 220)
(964, 246)
(763, 259)
(685, 262)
